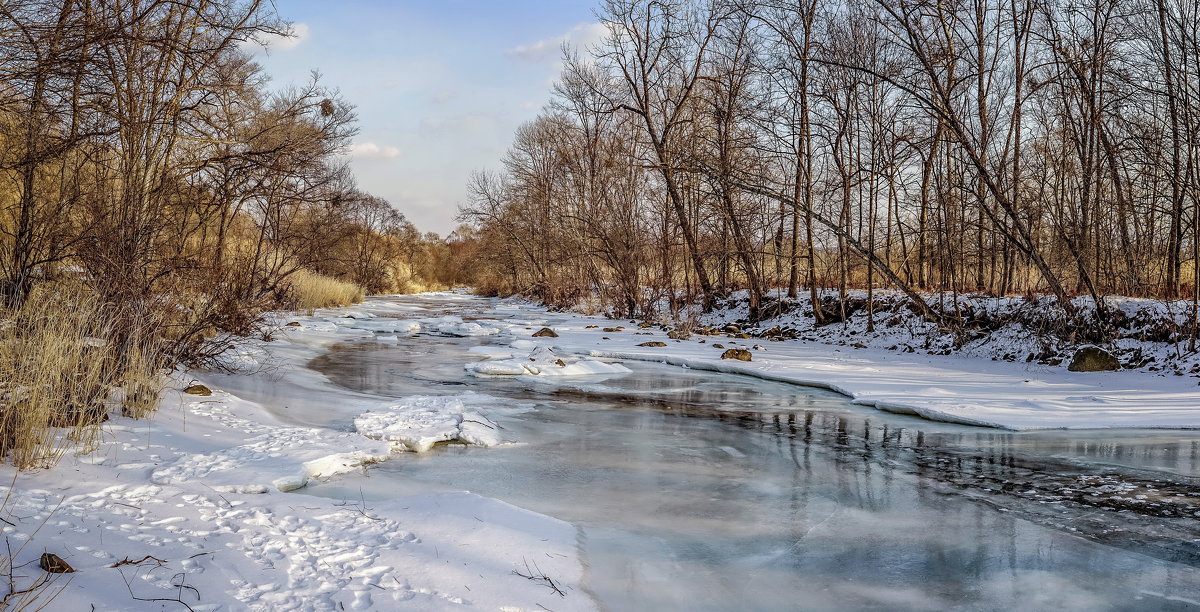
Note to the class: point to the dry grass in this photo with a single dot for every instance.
(416, 285)
(63, 366)
(312, 290)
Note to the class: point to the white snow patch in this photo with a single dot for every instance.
(282, 458)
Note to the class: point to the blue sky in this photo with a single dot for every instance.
(439, 86)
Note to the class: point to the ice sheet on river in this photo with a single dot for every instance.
(545, 362)
(454, 326)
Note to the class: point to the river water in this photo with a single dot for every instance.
(705, 491)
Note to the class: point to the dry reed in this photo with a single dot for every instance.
(64, 364)
(312, 290)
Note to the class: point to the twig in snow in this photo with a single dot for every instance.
(478, 422)
(227, 502)
(537, 575)
(178, 599)
(182, 576)
(128, 561)
(359, 507)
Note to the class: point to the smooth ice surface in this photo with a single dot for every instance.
(708, 491)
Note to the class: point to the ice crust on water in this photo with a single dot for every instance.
(383, 325)
(454, 326)
(356, 314)
(418, 423)
(491, 352)
(544, 362)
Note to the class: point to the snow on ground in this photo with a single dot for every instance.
(190, 506)
(281, 458)
(1144, 334)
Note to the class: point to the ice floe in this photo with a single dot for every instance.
(418, 423)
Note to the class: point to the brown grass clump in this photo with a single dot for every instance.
(417, 285)
(64, 365)
(312, 290)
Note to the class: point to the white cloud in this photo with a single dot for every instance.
(275, 42)
(581, 36)
(370, 150)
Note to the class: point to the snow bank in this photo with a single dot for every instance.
(1144, 334)
(281, 458)
(447, 551)
(418, 423)
(956, 390)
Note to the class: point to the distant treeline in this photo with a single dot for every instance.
(995, 146)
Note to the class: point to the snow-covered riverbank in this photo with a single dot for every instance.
(957, 388)
(192, 504)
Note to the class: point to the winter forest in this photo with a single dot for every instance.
(773, 305)
(1003, 148)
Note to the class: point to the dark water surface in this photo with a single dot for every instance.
(705, 491)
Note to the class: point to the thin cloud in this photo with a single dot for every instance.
(370, 150)
(277, 42)
(580, 36)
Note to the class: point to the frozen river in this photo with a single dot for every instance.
(704, 491)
